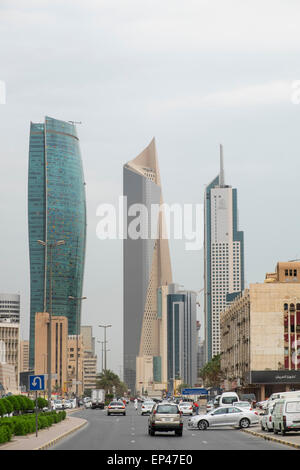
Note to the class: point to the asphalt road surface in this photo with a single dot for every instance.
(130, 432)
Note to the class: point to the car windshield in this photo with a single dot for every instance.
(242, 403)
(167, 409)
(57, 402)
(149, 403)
(185, 403)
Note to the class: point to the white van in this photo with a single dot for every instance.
(286, 415)
(227, 398)
(291, 394)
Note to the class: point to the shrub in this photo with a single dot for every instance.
(5, 434)
(9, 407)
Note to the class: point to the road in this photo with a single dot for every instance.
(130, 432)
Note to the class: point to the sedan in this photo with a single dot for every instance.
(116, 407)
(146, 407)
(186, 408)
(266, 420)
(224, 416)
(243, 404)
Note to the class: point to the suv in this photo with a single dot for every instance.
(165, 417)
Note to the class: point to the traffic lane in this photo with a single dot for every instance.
(131, 432)
(212, 439)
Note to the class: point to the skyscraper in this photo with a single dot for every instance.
(147, 266)
(223, 256)
(56, 211)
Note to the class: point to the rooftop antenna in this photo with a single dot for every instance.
(222, 179)
(75, 122)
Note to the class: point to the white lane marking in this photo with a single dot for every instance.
(204, 442)
(132, 442)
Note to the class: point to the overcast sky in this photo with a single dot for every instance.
(193, 74)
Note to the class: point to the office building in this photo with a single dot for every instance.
(89, 358)
(182, 338)
(9, 355)
(56, 212)
(223, 256)
(59, 344)
(147, 266)
(260, 333)
(10, 307)
(24, 356)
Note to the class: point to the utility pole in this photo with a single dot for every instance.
(105, 327)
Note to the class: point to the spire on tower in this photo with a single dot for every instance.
(222, 178)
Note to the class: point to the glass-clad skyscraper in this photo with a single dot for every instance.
(56, 211)
(223, 256)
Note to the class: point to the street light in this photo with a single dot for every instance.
(77, 299)
(105, 327)
(51, 246)
(102, 354)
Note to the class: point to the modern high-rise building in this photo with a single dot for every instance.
(223, 256)
(56, 212)
(182, 338)
(147, 266)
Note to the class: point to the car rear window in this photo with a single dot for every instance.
(228, 400)
(167, 409)
(293, 407)
(117, 403)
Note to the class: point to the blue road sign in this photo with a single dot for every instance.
(194, 391)
(36, 382)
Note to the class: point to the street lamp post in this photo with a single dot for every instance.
(77, 299)
(105, 327)
(51, 246)
(102, 354)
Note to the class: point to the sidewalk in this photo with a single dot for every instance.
(291, 439)
(46, 437)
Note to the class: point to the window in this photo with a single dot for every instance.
(293, 407)
(221, 411)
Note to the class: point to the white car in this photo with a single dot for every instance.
(67, 404)
(266, 420)
(224, 416)
(243, 404)
(58, 405)
(146, 407)
(186, 408)
(209, 406)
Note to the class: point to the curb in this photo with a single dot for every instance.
(274, 439)
(62, 436)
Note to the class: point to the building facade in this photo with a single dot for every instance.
(89, 358)
(260, 333)
(75, 366)
(223, 256)
(59, 337)
(182, 338)
(9, 355)
(147, 266)
(56, 211)
(24, 355)
(10, 307)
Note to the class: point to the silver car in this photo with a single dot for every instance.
(146, 407)
(224, 416)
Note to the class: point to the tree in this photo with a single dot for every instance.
(211, 373)
(108, 380)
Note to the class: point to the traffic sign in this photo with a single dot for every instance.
(36, 382)
(194, 391)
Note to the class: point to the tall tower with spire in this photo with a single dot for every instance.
(147, 266)
(223, 256)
